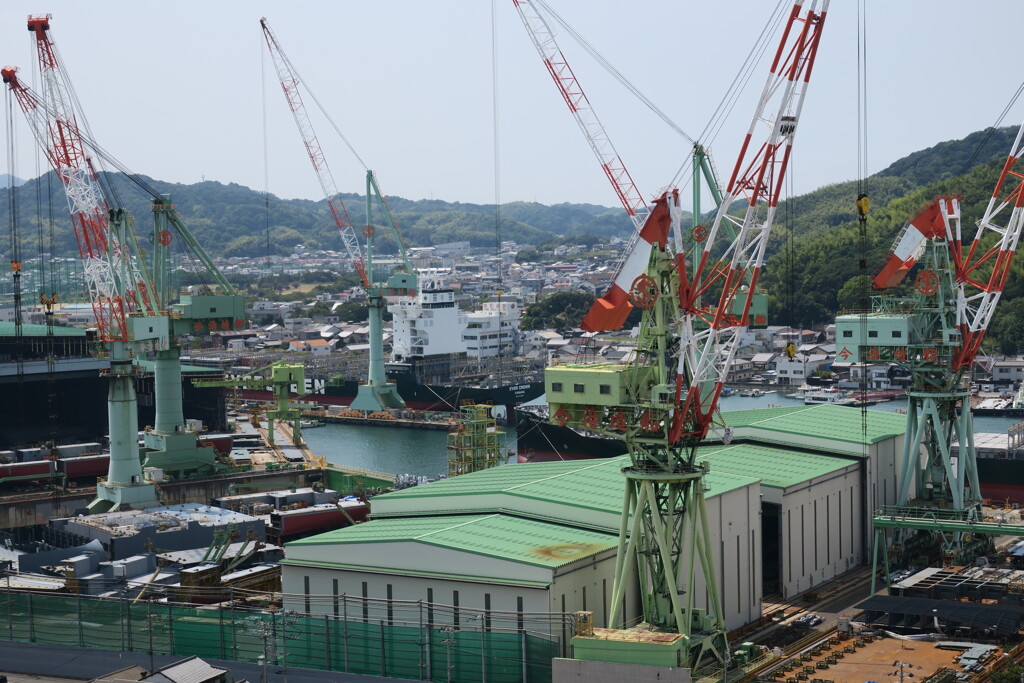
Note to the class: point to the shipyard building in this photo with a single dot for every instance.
(789, 502)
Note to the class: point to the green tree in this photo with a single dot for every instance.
(560, 311)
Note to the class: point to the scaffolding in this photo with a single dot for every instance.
(475, 443)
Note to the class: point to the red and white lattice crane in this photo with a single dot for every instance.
(116, 287)
(709, 336)
(670, 390)
(290, 84)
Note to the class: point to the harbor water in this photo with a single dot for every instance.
(386, 449)
(424, 451)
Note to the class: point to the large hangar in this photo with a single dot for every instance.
(789, 506)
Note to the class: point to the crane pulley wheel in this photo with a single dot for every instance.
(699, 233)
(165, 237)
(927, 282)
(368, 231)
(644, 291)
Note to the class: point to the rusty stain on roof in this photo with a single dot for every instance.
(566, 551)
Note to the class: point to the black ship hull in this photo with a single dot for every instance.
(542, 441)
(418, 396)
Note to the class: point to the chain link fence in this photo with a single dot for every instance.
(402, 639)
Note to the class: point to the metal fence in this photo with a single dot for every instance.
(414, 640)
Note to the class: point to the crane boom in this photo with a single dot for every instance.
(608, 312)
(572, 92)
(290, 82)
(757, 176)
(115, 287)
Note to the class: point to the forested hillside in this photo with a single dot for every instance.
(232, 220)
(812, 268)
(814, 256)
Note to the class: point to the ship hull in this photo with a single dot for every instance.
(1001, 479)
(541, 441)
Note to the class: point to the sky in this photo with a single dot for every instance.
(442, 106)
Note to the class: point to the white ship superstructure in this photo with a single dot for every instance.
(430, 324)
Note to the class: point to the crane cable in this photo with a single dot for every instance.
(989, 133)
(863, 204)
(599, 58)
(497, 170)
(266, 154)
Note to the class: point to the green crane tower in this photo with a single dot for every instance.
(664, 402)
(936, 332)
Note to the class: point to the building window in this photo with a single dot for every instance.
(872, 333)
(606, 388)
(556, 386)
(577, 388)
(896, 334)
(366, 603)
(847, 334)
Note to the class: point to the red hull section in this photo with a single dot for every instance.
(88, 466)
(294, 523)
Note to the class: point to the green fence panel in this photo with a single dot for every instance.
(196, 632)
(252, 636)
(17, 625)
(55, 621)
(540, 650)
(503, 657)
(305, 641)
(102, 624)
(402, 651)
(461, 654)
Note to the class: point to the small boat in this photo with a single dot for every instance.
(309, 424)
(827, 395)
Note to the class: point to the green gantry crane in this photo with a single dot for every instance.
(935, 332)
(280, 377)
(664, 402)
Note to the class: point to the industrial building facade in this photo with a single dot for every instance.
(788, 501)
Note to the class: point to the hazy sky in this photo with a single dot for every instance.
(177, 90)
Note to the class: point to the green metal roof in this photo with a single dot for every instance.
(776, 467)
(7, 330)
(503, 537)
(744, 418)
(592, 484)
(829, 422)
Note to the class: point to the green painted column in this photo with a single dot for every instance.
(167, 382)
(123, 420)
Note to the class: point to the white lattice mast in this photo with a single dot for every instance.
(708, 338)
(980, 290)
(116, 288)
(290, 84)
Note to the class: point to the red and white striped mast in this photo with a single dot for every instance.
(115, 287)
(709, 337)
(290, 82)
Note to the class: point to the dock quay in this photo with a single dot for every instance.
(443, 422)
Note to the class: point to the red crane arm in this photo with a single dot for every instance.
(115, 286)
(706, 351)
(290, 82)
